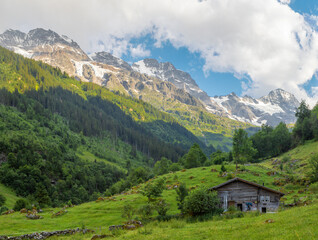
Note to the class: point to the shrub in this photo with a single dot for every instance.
(162, 207)
(153, 190)
(128, 212)
(19, 204)
(202, 201)
(314, 187)
(182, 192)
(2, 200)
(3, 209)
(175, 167)
(314, 168)
(229, 176)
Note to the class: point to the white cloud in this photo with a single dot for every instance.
(139, 51)
(264, 40)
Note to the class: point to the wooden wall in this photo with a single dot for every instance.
(249, 196)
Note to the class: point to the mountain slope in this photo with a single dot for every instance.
(189, 111)
(25, 75)
(278, 106)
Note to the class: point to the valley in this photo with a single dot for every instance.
(89, 141)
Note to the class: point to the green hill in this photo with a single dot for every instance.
(295, 161)
(10, 196)
(100, 215)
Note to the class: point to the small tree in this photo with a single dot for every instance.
(2, 200)
(19, 204)
(145, 213)
(202, 201)
(242, 147)
(194, 158)
(182, 192)
(162, 166)
(162, 207)
(128, 212)
(153, 189)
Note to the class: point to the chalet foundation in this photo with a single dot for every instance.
(248, 196)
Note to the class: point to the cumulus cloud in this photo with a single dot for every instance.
(263, 40)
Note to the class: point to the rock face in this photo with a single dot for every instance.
(107, 58)
(278, 106)
(167, 72)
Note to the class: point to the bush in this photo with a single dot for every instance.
(182, 192)
(175, 167)
(2, 200)
(314, 168)
(153, 190)
(202, 201)
(19, 204)
(162, 207)
(128, 212)
(314, 188)
(3, 209)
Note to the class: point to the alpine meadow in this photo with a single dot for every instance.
(137, 119)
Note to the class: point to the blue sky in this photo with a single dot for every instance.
(214, 83)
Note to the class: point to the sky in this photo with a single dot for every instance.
(243, 46)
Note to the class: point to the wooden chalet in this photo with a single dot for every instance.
(248, 196)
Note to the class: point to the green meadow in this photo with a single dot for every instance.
(98, 216)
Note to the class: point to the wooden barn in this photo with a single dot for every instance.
(248, 196)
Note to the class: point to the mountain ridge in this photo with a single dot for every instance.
(167, 88)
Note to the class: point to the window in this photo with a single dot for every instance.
(265, 198)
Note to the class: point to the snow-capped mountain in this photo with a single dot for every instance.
(278, 106)
(44, 45)
(167, 72)
(147, 79)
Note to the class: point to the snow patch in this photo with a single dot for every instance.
(23, 52)
(142, 68)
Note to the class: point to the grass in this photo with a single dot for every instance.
(100, 215)
(299, 159)
(285, 226)
(10, 196)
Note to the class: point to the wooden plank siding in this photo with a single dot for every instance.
(248, 196)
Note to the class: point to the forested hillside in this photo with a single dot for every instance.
(51, 122)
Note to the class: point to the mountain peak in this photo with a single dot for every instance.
(280, 96)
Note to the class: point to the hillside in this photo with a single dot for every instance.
(116, 75)
(10, 196)
(100, 215)
(64, 140)
(24, 75)
(296, 161)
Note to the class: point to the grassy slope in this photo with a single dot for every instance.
(286, 226)
(10, 196)
(298, 162)
(100, 215)
(103, 214)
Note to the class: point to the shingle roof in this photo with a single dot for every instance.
(248, 182)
